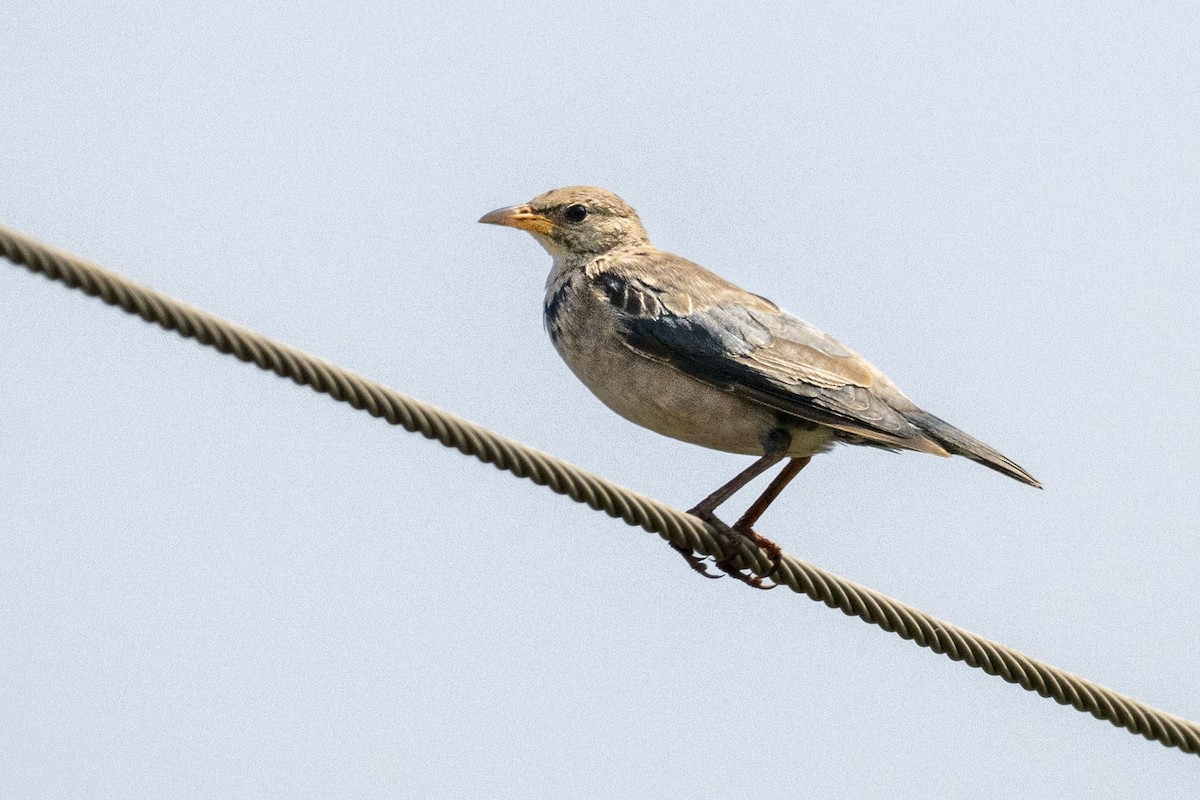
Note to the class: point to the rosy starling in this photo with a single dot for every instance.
(679, 350)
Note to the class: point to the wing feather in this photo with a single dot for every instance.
(678, 313)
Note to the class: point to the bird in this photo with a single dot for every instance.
(677, 349)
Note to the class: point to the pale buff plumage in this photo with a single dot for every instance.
(679, 350)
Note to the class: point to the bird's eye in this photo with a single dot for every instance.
(575, 213)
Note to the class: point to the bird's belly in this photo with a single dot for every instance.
(659, 397)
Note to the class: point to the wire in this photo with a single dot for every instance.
(584, 487)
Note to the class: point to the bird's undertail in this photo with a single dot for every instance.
(961, 443)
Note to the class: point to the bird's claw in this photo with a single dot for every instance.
(694, 561)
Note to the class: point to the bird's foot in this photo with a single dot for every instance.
(730, 537)
(764, 544)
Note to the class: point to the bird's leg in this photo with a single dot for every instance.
(705, 508)
(775, 446)
(745, 525)
(756, 510)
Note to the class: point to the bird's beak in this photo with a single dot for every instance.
(522, 217)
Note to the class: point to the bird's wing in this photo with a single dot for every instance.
(676, 312)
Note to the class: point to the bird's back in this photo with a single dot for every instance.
(670, 310)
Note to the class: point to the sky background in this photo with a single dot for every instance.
(216, 583)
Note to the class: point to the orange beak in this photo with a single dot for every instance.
(522, 217)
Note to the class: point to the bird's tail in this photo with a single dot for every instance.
(961, 443)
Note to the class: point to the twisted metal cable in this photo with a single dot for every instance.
(584, 487)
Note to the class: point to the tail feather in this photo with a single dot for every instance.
(961, 443)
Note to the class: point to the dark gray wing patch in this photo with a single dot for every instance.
(769, 356)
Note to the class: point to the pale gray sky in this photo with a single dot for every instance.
(218, 584)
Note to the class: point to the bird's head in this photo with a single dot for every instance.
(575, 222)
